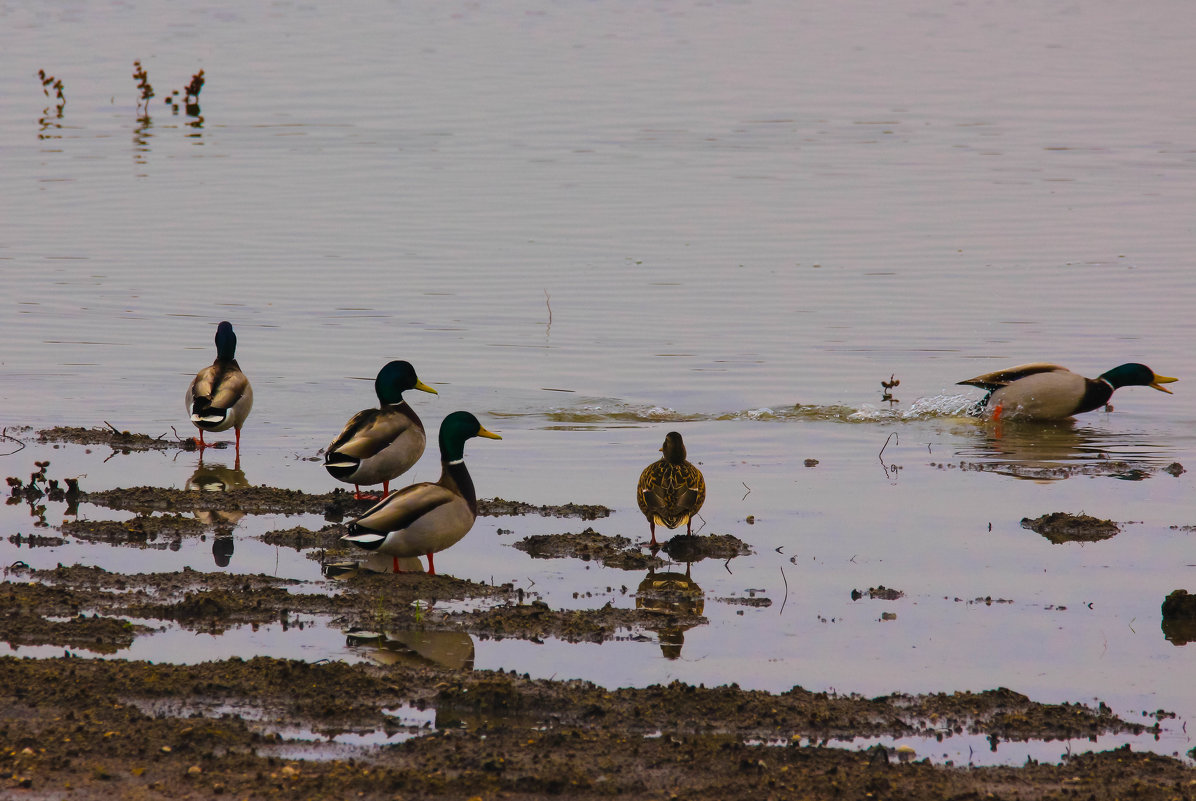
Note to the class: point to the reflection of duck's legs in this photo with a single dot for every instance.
(416, 568)
(222, 549)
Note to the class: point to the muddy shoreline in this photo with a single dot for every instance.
(101, 728)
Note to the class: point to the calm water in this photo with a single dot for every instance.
(594, 223)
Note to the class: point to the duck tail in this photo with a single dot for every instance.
(204, 414)
(363, 537)
(340, 466)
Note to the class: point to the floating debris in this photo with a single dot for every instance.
(881, 593)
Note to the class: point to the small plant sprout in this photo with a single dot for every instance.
(143, 86)
(887, 395)
(381, 615)
(191, 90)
(50, 82)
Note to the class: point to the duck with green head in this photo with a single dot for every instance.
(379, 445)
(1044, 391)
(220, 397)
(670, 490)
(426, 518)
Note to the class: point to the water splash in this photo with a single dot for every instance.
(921, 409)
(611, 411)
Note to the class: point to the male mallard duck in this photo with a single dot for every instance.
(425, 518)
(377, 445)
(219, 396)
(671, 490)
(1043, 391)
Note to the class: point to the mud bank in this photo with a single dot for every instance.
(269, 728)
(421, 722)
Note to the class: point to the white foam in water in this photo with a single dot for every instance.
(937, 406)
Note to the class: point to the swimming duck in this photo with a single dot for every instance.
(1043, 391)
(378, 445)
(426, 518)
(671, 490)
(220, 397)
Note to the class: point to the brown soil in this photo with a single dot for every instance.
(109, 728)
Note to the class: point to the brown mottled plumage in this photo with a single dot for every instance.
(671, 490)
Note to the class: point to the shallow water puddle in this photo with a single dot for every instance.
(830, 507)
(303, 742)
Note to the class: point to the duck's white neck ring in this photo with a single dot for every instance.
(457, 461)
(1109, 383)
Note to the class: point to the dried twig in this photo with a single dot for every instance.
(880, 456)
(5, 435)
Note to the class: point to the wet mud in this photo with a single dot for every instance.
(1061, 527)
(267, 728)
(1111, 468)
(335, 506)
(121, 441)
(270, 728)
(619, 552)
(882, 593)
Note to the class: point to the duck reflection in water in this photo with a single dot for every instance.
(1179, 617)
(216, 478)
(676, 601)
(222, 549)
(374, 563)
(670, 490)
(1051, 451)
(417, 647)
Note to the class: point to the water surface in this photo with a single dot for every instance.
(591, 224)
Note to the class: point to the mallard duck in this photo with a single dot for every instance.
(219, 397)
(378, 445)
(426, 518)
(1043, 391)
(671, 490)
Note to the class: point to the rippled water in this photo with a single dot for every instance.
(594, 223)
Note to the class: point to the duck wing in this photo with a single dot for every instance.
(402, 508)
(369, 432)
(1003, 378)
(218, 386)
(671, 493)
